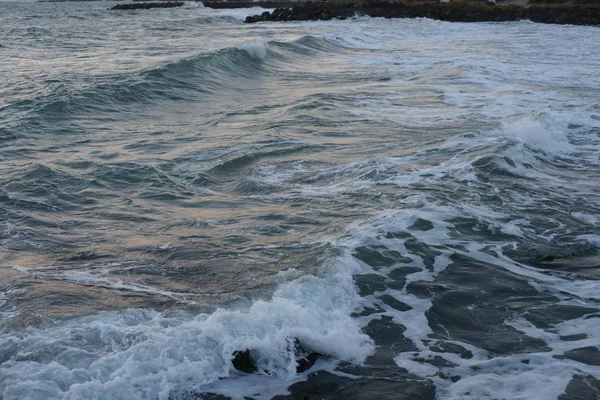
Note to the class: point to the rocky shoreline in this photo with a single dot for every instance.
(145, 5)
(285, 10)
(575, 14)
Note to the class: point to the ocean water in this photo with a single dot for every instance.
(417, 201)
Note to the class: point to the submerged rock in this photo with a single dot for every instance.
(305, 358)
(582, 387)
(325, 385)
(243, 361)
(473, 300)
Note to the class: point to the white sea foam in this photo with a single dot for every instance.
(454, 69)
(592, 219)
(139, 354)
(256, 49)
(193, 4)
(592, 239)
(539, 135)
(483, 376)
(237, 13)
(289, 273)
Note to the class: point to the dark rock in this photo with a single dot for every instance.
(83, 256)
(436, 361)
(573, 338)
(445, 347)
(194, 395)
(212, 396)
(421, 225)
(546, 316)
(305, 358)
(426, 252)
(324, 385)
(474, 301)
(397, 235)
(243, 361)
(379, 377)
(581, 388)
(425, 289)
(228, 4)
(369, 283)
(579, 267)
(147, 6)
(575, 14)
(368, 311)
(398, 276)
(390, 340)
(586, 355)
(394, 303)
(379, 258)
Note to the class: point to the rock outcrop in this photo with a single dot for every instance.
(243, 360)
(147, 6)
(577, 14)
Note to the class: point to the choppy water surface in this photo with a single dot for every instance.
(417, 200)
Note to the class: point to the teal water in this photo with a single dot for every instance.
(412, 195)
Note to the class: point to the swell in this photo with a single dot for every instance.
(189, 79)
(447, 229)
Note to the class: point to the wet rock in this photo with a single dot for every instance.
(380, 258)
(480, 326)
(324, 385)
(574, 338)
(427, 253)
(421, 225)
(390, 340)
(587, 355)
(398, 276)
(582, 387)
(424, 289)
(445, 347)
(579, 267)
(456, 11)
(368, 311)
(397, 235)
(546, 316)
(82, 256)
(305, 358)
(436, 361)
(475, 302)
(394, 303)
(369, 283)
(243, 361)
(227, 4)
(147, 6)
(210, 396)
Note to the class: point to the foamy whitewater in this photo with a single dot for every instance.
(416, 201)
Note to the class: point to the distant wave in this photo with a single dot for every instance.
(184, 79)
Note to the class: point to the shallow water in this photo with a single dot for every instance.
(412, 196)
